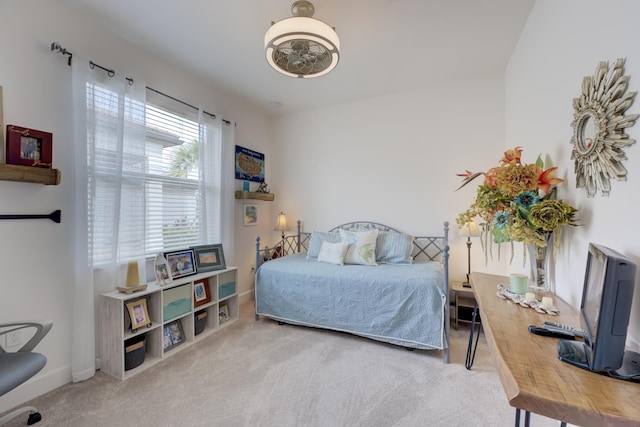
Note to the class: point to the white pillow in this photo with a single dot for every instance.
(317, 238)
(333, 253)
(362, 247)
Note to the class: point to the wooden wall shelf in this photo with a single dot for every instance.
(29, 174)
(251, 195)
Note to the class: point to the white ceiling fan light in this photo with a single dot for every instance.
(302, 46)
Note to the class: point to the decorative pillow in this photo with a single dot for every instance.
(362, 247)
(394, 248)
(315, 244)
(333, 253)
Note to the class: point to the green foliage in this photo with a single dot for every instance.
(185, 159)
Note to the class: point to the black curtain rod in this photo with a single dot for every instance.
(213, 116)
(110, 72)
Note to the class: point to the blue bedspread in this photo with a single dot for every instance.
(399, 304)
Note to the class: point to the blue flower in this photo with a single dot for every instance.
(527, 199)
(500, 219)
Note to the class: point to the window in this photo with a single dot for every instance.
(150, 189)
(172, 181)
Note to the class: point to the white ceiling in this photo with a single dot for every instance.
(386, 45)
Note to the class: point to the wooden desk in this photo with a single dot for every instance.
(533, 377)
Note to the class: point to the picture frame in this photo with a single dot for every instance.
(201, 292)
(209, 257)
(249, 165)
(223, 314)
(163, 275)
(181, 263)
(138, 313)
(28, 147)
(1, 121)
(250, 214)
(172, 335)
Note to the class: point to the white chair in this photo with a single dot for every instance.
(18, 366)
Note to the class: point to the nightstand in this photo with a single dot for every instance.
(463, 303)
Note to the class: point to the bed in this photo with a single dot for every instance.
(396, 293)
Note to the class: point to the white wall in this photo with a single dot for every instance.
(564, 41)
(36, 256)
(392, 159)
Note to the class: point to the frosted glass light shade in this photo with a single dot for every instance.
(302, 47)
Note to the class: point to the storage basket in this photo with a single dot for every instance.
(134, 351)
(200, 321)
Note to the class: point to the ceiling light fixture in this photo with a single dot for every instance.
(302, 46)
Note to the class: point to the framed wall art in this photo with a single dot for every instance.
(1, 120)
(249, 165)
(250, 214)
(28, 147)
(209, 257)
(180, 263)
(201, 293)
(138, 313)
(599, 123)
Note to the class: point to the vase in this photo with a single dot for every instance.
(541, 263)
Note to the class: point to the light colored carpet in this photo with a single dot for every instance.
(265, 374)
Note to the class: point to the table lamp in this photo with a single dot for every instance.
(281, 224)
(470, 229)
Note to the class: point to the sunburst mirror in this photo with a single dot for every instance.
(598, 128)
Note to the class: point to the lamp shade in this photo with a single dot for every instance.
(470, 229)
(302, 46)
(281, 223)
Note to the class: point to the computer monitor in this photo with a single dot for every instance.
(604, 312)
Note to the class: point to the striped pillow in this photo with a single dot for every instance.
(394, 248)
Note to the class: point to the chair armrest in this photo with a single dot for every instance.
(42, 328)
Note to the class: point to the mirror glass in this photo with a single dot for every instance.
(587, 131)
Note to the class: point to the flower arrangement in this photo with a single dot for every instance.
(517, 202)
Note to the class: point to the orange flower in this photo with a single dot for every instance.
(491, 177)
(546, 179)
(466, 175)
(512, 156)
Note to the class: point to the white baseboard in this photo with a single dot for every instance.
(36, 386)
(246, 296)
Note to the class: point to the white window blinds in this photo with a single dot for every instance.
(168, 187)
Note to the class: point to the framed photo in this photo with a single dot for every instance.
(28, 147)
(201, 294)
(163, 277)
(209, 257)
(223, 314)
(172, 335)
(249, 165)
(138, 313)
(180, 263)
(250, 214)
(1, 121)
